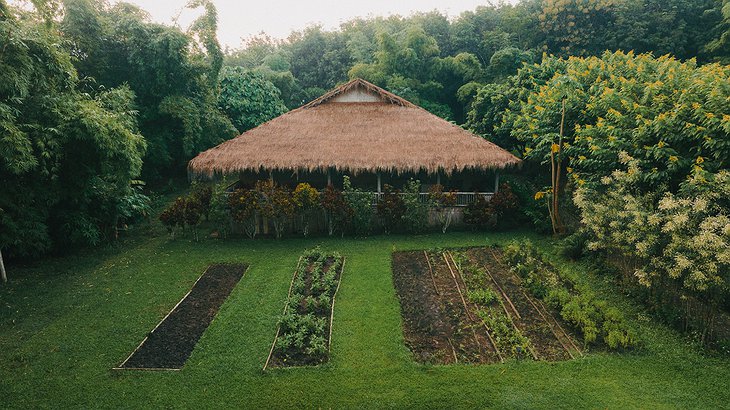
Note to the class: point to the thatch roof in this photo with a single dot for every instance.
(385, 133)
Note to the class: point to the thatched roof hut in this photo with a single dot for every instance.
(355, 128)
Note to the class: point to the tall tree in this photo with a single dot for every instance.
(68, 158)
(173, 75)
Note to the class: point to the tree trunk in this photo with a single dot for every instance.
(2, 268)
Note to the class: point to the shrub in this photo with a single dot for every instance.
(338, 212)
(192, 212)
(202, 194)
(218, 212)
(174, 216)
(574, 245)
(243, 205)
(444, 203)
(415, 218)
(306, 202)
(275, 202)
(361, 204)
(478, 214)
(505, 206)
(391, 209)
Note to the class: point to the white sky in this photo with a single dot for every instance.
(241, 19)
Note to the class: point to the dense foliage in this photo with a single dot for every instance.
(69, 159)
(247, 98)
(645, 148)
(440, 63)
(173, 75)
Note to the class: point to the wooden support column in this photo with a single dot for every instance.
(438, 177)
(379, 189)
(496, 181)
(329, 177)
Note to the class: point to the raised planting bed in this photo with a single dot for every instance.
(465, 306)
(171, 342)
(304, 335)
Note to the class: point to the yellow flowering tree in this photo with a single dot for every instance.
(668, 115)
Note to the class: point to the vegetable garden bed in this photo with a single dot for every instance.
(467, 306)
(304, 335)
(171, 342)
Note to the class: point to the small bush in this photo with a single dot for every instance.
(415, 218)
(339, 213)
(443, 202)
(361, 204)
(483, 297)
(391, 209)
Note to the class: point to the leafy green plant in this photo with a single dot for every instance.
(219, 212)
(484, 297)
(303, 335)
(596, 321)
(415, 217)
(306, 203)
(361, 204)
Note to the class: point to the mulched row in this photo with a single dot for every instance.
(170, 344)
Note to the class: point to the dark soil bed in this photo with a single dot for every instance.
(170, 344)
(547, 334)
(442, 325)
(438, 328)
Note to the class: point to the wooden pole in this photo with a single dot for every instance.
(496, 182)
(329, 177)
(2, 268)
(379, 190)
(430, 270)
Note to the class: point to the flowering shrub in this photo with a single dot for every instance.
(680, 239)
(667, 114)
(306, 202)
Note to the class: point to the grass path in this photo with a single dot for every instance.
(64, 323)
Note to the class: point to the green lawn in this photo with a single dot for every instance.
(64, 323)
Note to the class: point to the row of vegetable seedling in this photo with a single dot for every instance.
(305, 329)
